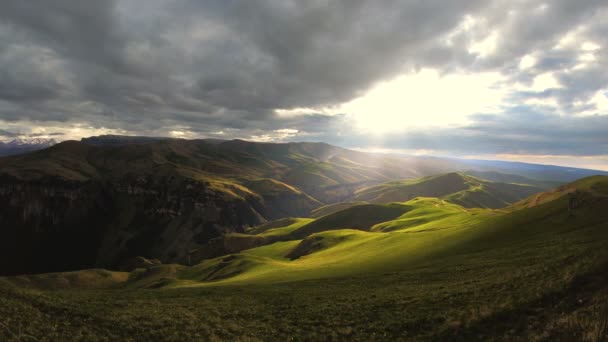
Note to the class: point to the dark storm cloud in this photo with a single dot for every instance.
(83, 31)
(207, 57)
(223, 67)
(320, 52)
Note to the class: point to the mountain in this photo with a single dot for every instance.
(79, 204)
(454, 187)
(103, 201)
(20, 146)
(117, 140)
(545, 174)
(432, 270)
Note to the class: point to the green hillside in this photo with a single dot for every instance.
(332, 208)
(436, 271)
(457, 208)
(458, 188)
(308, 166)
(196, 195)
(420, 229)
(359, 217)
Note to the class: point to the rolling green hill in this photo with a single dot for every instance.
(460, 194)
(417, 259)
(99, 204)
(186, 192)
(370, 238)
(436, 271)
(458, 188)
(419, 229)
(360, 217)
(332, 208)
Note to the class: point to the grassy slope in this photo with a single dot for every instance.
(455, 187)
(332, 208)
(433, 213)
(92, 278)
(279, 227)
(304, 165)
(361, 217)
(533, 272)
(287, 230)
(426, 228)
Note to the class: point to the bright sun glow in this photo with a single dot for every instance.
(425, 99)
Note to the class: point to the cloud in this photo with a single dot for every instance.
(8, 134)
(287, 70)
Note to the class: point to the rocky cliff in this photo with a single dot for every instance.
(53, 224)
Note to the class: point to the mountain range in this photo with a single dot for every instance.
(20, 146)
(169, 237)
(105, 200)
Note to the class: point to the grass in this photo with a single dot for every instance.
(296, 224)
(92, 278)
(435, 271)
(434, 214)
(476, 297)
(457, 188)
(332, 208)
(441, 232)
(361, 217)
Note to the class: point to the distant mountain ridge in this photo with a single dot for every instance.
(110, 140)
(538, 172)
(117, 140)
(20, 146)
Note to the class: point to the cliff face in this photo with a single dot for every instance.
(52, 224)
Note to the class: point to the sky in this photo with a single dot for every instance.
(488, 79)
